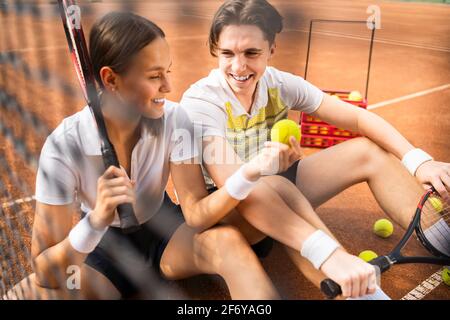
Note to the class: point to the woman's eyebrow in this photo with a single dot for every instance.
(157, 68)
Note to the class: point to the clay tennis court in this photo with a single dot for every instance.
(409, 87)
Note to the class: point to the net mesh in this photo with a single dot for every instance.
(22, 134)
(38, 88)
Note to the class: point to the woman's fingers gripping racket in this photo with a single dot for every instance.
(114, 188)
(114, 176)
(116, 183)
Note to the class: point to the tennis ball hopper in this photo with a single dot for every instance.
(317, 133)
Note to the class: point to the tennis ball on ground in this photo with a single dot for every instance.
(446, 275)
(383, 228)
(355, 96)
(437, 204)
(367, 255)
(283, 130)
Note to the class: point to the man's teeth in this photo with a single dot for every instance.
(159, 100)
(241, 78)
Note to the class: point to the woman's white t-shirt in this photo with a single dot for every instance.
(71, 162)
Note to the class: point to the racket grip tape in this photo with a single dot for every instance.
(330, 288)
(128, 221)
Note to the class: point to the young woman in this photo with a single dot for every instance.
(238, 103)
(152, 136)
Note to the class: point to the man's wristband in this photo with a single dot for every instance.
(414, 158)
(318, 248)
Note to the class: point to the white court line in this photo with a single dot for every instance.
(349, 36)
(409, 96)
(377, 40)
(329, 33)
(18, 201)
(199, 16)
(425, 287)
(59, 47)
(343, 35)
(196, 37)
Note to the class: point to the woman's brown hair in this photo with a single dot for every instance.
(114, 41)
(116, 38)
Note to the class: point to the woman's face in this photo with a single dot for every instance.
(146, 82)
(243, 54)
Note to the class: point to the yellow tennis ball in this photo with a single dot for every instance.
(437, 204)
(367, 255)
(283, 130)
(355, 96)
(445, 274)
(383, 228)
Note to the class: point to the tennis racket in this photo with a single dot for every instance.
(431, 223)
(71, 18)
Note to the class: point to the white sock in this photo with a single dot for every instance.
(378, 295)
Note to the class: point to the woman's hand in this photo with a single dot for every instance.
(436, 174)
(113, 188)
(356, 277)
(275, 157)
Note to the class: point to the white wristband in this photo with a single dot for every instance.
(318, 248)
(238, 187)
(83, 237)
(414, 158)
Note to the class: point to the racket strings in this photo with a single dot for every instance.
(435, 209)
(435, 223)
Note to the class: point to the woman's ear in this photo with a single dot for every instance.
(109, 78)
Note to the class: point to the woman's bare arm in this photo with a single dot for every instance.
(51, 250)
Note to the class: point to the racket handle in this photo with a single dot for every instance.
(382, 262)
(331, 289)
(128, 221)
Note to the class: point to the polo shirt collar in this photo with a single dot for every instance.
(89, 135)
(90, 139)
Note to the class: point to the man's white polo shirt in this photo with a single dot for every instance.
(215, 110)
